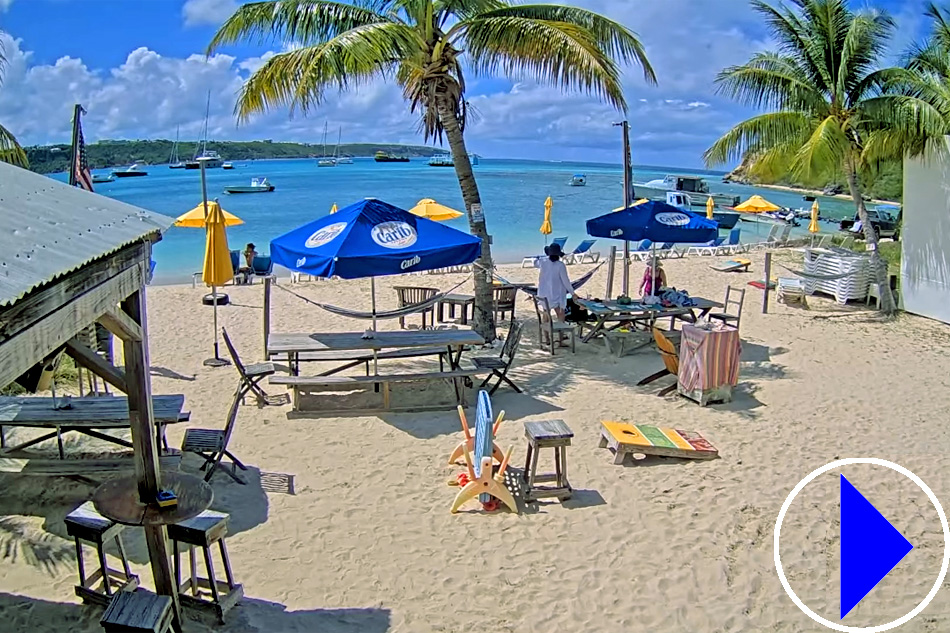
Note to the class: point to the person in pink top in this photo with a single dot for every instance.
(650, 283)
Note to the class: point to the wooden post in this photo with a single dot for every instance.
(267, 281)
(768, 276)
(627, 201)
(145, 445)
(611, 264)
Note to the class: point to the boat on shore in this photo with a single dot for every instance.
(131, 172)
(695, 186)
(258, 185)
(100, 178)
(578, 180)
(383, 157)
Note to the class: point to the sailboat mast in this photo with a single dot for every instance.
(339, 138)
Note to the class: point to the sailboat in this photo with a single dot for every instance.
(326, 161)
(341, 160)
(174, 162)
(212, 159)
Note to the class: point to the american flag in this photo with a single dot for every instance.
(81, 175)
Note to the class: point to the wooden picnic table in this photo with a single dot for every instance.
(610, 315)
(88, 415)
(294, 344)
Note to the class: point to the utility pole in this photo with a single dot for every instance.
(627, 199)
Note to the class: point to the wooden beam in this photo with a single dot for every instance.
(121, 325)
(88, 359)
(50, 331)
(267, 282)
(45, 300)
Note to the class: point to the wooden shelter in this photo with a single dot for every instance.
(68, 259)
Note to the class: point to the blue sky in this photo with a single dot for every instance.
(138, 68)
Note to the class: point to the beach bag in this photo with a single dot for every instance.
(575, 313)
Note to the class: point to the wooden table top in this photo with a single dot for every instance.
(118, 499)
(98, 412)
(290, 342)
(612, 307)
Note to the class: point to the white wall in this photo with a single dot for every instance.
(925, 237)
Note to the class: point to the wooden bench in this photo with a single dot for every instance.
(80, 467)
(301, 384)
(354, 358)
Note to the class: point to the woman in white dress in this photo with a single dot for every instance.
(554, 285)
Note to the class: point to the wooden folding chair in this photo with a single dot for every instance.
(252, 375)
(727, 316)
(503, 301)
(212, 444)
(671, 359)
(499, 366)
(550, 326)
(411, 295)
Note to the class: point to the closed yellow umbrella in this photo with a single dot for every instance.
(195, 218)
(217, 269)
(813, 227)
(333, 209)
(429, 208)
(710, 205)
(546, 228)
(757, 204)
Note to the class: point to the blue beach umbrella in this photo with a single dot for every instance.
(372, 238)
(655, 221)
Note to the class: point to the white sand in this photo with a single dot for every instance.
(367, 543)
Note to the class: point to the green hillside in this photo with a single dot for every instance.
(53, 158)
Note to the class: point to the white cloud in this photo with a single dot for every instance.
(5, 4)
(197, 12)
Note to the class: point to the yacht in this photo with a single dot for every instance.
(693, 185)
(725, 219)
(131, 172)
(174, 161)
(258, 185)
(383, 157)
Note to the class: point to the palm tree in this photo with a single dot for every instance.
(832, 106)
(427, 46)
(10, 150)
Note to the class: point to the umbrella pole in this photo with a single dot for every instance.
(372, 289)
(217, 361)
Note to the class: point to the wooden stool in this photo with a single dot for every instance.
(85, 524)
(138, 612)
(203, 531)
(548, 434)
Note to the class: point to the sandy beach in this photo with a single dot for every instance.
(367, 544)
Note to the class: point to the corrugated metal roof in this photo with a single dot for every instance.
(48, 229)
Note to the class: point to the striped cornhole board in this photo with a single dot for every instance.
(645, 439)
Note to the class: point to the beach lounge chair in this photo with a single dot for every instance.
(709, 248)
(733, 266)
(500, 365)
(212, 444)
(641, 251)
(262, 267)
(503, 300)
(671, 360)
(529, 262)
(791, 290)
(732, 246)
(235, 265)
(772, 236)
(727, 316)
(782, 238)
(549, 326)
(582, 253)
(668, 250)
(252, 375)
(412, 295)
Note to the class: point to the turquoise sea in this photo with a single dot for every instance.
(513, 193)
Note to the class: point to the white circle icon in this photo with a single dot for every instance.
(943, 566)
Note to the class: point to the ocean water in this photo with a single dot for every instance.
(513, 194)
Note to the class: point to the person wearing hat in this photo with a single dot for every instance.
(248, 269)
(652, 283)
(554, 284)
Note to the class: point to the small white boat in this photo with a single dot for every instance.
(99, 178)
(327, 161)
(344, 160)
(578, 180)
(258, 185)
(131, 172)
(227, 166)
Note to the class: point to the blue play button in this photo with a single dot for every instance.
(870, 547)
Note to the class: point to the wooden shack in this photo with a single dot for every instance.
(68, 259)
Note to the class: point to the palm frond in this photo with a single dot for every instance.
(614, 39)
(769, 80)
(296, 22)
(795, 41)
(10, 150)
(864, 44)
(759, 134)
(826, 147)
(464, 9)
(909, 119)
(301, 77)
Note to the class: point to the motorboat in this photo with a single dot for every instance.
(131, 172)
(383, 157)
(258, 185)
(578, 180)
(344, 160)
(696, 186)
(100, 178)
(227, 165)
(725, 219)
(442, 160)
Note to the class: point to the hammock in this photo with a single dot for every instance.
(802, 273)
(386, 314)
(533, 290)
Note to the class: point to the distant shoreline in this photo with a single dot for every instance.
(814, 192)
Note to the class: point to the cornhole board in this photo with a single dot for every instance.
(733, 266)
(642, 439)
(761, 286)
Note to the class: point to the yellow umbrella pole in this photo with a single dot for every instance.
(217, 361)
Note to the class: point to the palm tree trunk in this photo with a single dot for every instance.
(484, 317)
(879, 268)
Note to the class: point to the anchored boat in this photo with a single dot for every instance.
(258, 185)
(131, 172)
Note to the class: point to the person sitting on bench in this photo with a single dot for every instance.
(248, 269)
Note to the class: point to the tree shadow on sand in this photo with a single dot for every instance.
(250, 616)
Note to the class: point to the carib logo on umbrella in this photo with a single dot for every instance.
(324, 235)
(395, 235)
(672, 219)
